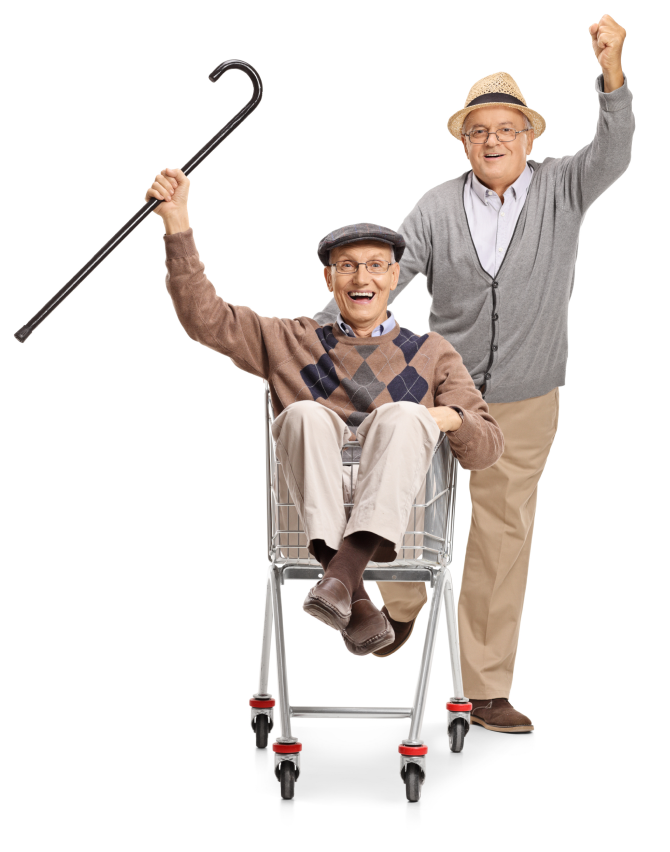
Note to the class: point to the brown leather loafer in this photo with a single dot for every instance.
(330, 602)
(368, 629)
(497, 714)
(402, 630)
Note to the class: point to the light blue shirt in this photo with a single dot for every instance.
(384, 328)
(491, 222)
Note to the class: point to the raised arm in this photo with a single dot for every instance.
(587, 174)
(238, 332)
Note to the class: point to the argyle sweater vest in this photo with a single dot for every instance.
(302, 360)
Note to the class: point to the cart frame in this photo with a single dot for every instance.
(428, 562)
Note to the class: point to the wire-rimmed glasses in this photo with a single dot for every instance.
(505, 134)
(374, 267)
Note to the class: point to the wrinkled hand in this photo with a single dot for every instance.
(607, 38)
(171, 187)
(446, 418)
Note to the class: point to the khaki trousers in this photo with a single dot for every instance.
(496, 561)
(397, 441)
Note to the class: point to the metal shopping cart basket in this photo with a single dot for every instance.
(424, 556)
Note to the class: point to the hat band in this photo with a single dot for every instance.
(496, 97)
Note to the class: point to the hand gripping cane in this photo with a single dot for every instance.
(141, 214)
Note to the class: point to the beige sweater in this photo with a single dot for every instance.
(302, 360)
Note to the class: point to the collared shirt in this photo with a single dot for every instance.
(491, 222)
(383, 328)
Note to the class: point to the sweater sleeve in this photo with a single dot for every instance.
(478, 442)
(417, 255)
(248, 339)
(586, 175)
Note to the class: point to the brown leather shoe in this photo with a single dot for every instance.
(330, 602)
(402, 630)
(497, 714)
(368, 629)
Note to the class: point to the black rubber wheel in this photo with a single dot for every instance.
(262, 730)
(457, 735)
(413, 782)
(287, 779)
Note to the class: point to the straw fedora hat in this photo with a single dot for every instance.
(495, 90)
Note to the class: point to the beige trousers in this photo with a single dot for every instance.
(397, 441)
(496, 561)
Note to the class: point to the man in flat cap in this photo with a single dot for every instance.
(498, 246)
(363, 376)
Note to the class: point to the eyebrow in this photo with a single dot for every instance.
(499, 124)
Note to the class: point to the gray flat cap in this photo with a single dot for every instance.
(358, 234)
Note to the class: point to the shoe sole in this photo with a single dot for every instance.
(515, 729)
(397, 647)
(320, 610)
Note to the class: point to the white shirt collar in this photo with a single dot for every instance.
(383, 328)
(518, 189)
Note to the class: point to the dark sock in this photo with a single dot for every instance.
(352, 558)
(322, 553)
(360, 594)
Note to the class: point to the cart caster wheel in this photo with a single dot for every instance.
(262, 728)
(287, 779)
(413, 781)
(457, 735)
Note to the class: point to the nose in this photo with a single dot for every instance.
(362, 276)
(493, 143)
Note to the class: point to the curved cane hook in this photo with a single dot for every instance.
(241, 115)
(23, 333)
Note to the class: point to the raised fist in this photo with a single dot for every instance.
(171, 187)
(607, 38)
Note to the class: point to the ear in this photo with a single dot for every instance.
(395, 275)
(530, 138)
(328, 276)
(464, 140)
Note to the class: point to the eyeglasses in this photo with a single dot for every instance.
(505, 134)
(374, 267)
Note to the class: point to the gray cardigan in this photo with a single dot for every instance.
(512, 331)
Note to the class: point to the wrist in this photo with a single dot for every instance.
(612, 80)
(176, 223)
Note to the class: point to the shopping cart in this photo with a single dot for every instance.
(424, 555)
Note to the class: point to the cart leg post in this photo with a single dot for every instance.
(426, 661)
(458, 706)
(287, 748)
(267, 644)
(262, 703)
(452, 630)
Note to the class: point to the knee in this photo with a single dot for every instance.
(305, 414)
(302, 410)
(397, 411)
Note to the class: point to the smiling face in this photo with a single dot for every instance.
(362, 296)
(498, 164)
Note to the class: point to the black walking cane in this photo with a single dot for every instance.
(141, 214)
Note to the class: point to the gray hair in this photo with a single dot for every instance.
(528, 126)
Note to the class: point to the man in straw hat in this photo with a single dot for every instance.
(498, 246)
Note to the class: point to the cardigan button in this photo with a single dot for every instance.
(495, 348)
(487, 376)
(495, 316)
(495, 283)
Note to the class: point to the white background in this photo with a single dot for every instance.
(133, 564)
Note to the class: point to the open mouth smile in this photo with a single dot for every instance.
(365, 296)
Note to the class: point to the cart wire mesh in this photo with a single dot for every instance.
(427, 541)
